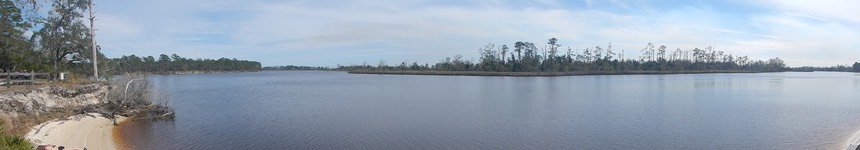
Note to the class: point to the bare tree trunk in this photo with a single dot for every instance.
(95, 50)
(54, 72)
(113, 117)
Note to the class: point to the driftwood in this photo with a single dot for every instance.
(165, 116)
(132, 96)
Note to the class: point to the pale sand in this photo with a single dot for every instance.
(91, 131)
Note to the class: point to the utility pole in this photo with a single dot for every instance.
(93, 39)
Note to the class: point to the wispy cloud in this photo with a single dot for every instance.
(307, 32)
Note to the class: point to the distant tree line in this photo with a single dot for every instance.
(856, 66)
(175, 63)
(527, 57)
(837, 68)
(292, 67)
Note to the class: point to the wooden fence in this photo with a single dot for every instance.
(23, 78)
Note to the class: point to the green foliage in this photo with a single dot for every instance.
(13, 22)
(64, 37)
(528, 58)
(12, 142)
(837, 68)
(174, 63)
(856, 66)
(15, 50)
(62, 42)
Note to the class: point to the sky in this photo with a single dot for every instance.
(350, 32)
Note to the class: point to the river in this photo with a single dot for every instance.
(336, 110)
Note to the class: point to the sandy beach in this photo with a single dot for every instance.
(91, 131)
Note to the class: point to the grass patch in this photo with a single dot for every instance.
(12, 142)
(13, 129)
(20, 125)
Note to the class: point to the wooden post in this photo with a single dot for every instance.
(8, 79)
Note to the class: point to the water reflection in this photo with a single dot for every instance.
(334, 110)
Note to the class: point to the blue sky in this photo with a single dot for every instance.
(331, 32)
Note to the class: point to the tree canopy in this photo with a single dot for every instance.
(14, 47)
(856, 66)
(64, 36)
(175, 63)
(527, 57)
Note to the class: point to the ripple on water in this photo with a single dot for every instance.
(334, 110)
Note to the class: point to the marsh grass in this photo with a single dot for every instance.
(10, 141)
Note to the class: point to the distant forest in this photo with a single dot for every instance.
(527, 57)
(292, 67)
(175, 63)
(838, 68)
(856, 66)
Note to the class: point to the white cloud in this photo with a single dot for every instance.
(350, 32)
(806, 41)
(837, 10)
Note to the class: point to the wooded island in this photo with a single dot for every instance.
(526, 59)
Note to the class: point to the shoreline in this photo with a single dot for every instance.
(91, 131)
(546, 74)
(118, 138)
(196, 72)
(853, 141)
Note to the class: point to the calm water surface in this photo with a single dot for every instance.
(336, 110)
